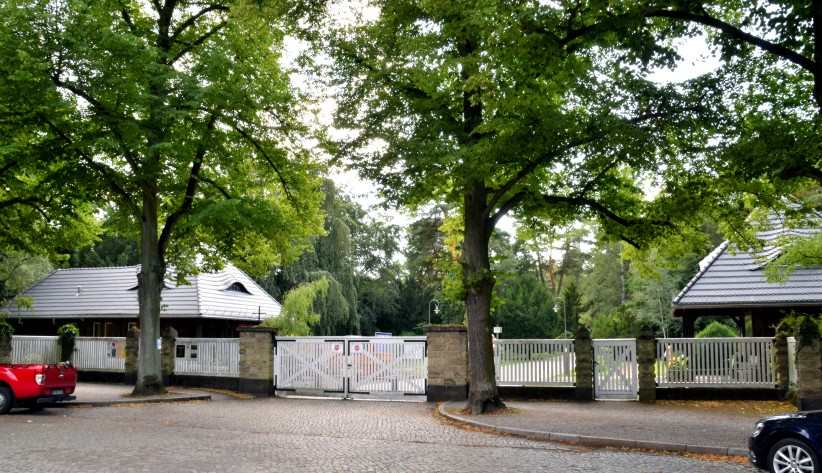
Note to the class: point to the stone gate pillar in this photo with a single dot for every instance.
(646, 359)
(132, 353)
(447, 362)
(168, 354)
(780, 361)
(257, 360)
(5, 348)
(808, 366)
(584, 353)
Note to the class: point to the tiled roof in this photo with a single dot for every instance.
(729, 277)
(112, 292)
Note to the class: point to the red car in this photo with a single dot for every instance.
(32, 386)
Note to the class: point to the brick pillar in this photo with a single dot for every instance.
(780, 362)
(132, 353)
(584, 353)
(257, 360)
(5, 348)
(808, 366)
(447, 363)
(646, 360)
(168, 354)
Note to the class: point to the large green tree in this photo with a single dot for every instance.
(523, 107)
(175, 113)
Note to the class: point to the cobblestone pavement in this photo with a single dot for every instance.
(287, 435)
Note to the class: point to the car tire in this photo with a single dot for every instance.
(788, 452)
(6, 400)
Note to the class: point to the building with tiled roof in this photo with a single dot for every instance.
(103, 302)
(732, 283)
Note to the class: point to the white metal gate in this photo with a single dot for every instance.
(351, 366)
(615, 369)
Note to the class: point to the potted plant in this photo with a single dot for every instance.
(67, 335)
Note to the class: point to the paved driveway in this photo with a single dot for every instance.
(288, 435)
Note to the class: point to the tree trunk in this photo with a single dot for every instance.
(151, 277)
(478, 283)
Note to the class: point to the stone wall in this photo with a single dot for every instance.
(809, 374)
(447, 362)
(257, 360)
(168, 353)
(5, 349)
(780, 353)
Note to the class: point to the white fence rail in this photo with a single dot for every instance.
(100, 354)
(207, 357)
(34, 349)
(534, 362)
(715, 362)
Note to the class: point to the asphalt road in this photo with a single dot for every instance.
(285, 435)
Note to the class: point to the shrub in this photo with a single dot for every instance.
(716, 329)
(6, 330)
(67, 335)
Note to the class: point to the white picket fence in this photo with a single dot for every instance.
(534, 362)
(100, 354)
(34, 349)
(207, 357)
(715, 362)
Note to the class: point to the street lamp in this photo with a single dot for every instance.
(436, 304)
(564, 318)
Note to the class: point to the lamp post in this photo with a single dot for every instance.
(436, 304)
(564, 318)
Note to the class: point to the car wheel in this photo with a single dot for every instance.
(792, 456)
(6, 400)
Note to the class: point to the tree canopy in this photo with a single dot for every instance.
(177, 116)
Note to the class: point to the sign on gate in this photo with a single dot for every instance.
(615, 369)
(352, 365)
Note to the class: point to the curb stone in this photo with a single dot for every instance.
(590, 441)
(196, 397)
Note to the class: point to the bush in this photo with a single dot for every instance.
(6, 330)
(717, 329)
(67, 335)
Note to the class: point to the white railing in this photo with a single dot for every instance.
(100, 354)
(207, 357)
(534, 362)
(34, 349)
(715, 362)
(792, 376)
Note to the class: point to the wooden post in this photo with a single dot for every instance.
(584, 351)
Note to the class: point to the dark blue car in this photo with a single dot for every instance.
(788, 443)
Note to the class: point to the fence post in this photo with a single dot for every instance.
(584, 352)
(646, 361)
(447, 362)
(257, 360)
(5, 348)
(808, 366)
(780, 360)
(132, 353)
(168, 354)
